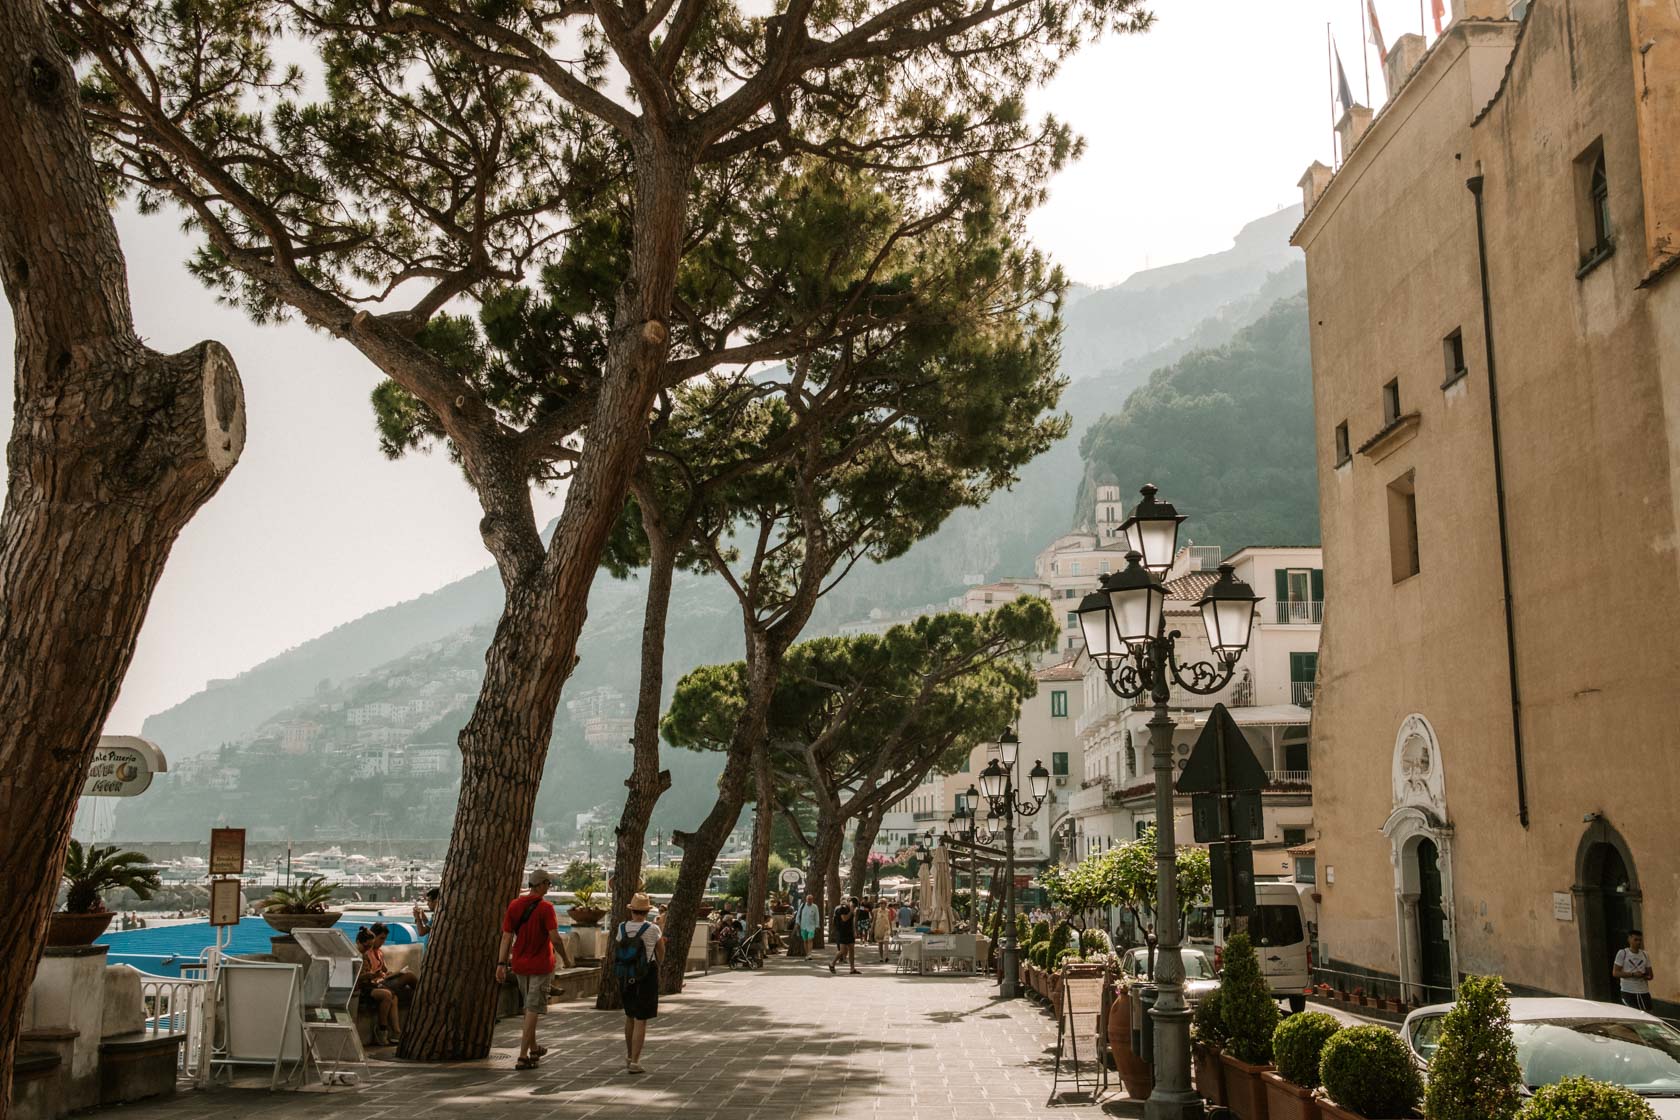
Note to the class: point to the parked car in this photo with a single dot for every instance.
(1558, 1038)
(1279, 928)
(1199, 977)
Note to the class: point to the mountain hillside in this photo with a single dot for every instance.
(1227, 434)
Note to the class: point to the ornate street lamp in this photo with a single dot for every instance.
(997, 785)
(1124, 626)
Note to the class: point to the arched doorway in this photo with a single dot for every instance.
(1434, 948)
(1607, 904)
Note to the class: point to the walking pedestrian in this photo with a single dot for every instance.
(809, 919)
(638, 951)
(530, 942)
(845, 937)
(880, 927)
(1633, 969)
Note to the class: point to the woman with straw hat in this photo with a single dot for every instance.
(638, 951)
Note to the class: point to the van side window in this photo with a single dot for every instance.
(1277, 925)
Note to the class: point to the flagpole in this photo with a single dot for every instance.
(1423, 29)
(1330, 80)
(1365, 52)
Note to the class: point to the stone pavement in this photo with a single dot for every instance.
(789, 1043)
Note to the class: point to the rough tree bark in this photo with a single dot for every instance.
(646, 782)
(701, 847)
(505, 742)
(114, 447)
(869, 827)
(764, 824)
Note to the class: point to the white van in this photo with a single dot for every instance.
(1281, 930)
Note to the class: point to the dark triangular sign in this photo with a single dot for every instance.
(1208, 772)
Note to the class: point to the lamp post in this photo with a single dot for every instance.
(1124, 626)
(997, 784)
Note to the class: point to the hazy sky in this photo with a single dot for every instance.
(1194, 129)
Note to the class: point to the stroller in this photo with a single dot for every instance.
(749, 952)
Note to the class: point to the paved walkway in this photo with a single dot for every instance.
(788, 1043)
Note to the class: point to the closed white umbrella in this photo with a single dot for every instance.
(939, 914)
(924, 892)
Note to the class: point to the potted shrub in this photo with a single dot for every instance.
(303, 906)
(584, 912)
(1136, 1071)
(1367, 1072)
(1296, 1046)
(1582, 1098)
(1474, 1071)
(88, 873)
(1207, 1033)
(1250, 1015)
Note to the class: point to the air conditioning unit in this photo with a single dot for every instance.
(1061, 781)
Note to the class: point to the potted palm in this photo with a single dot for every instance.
(1297, 1045)
(88, 873)
(584, 912)
(1368, 1074)
(303, 906)
(1250, 1015)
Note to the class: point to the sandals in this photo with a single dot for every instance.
(525, 1063)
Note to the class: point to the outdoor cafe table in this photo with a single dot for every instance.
(921, 952)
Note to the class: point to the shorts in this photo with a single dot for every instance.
(533, 991)
(641, 999)
(807, 935)
(1640, 1000)
(845, 937)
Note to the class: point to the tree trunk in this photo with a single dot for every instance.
(114, 447)
(535, 647)
(868, 828)
(646, 782)
(764, 823)
(822, 877)
(701, 847)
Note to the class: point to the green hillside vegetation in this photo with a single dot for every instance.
(1227, 434)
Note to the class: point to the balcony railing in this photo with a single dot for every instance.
(1298, 612)
(1290, 777)
(1301, 692)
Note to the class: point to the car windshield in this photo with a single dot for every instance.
(1196, 965)
(1643, 1055)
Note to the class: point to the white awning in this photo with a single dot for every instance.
(1267, 715)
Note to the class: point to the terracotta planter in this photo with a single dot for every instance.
(586, 916)
(1245, 1093)
(1329, 1110)
(66, 930)
(1209, 1069)
(1286, 1100)
(1136, 1074)
(286, 923)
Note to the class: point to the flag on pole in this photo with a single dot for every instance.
(1376, 31)
(1440, 8)
(1344, 92)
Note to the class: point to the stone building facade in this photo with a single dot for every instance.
(1495, 323)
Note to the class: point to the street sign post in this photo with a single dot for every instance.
(1224, 781)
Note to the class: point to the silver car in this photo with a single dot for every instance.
(1199, 977)
(1558, 1038)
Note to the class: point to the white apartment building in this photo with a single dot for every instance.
(1045, 727)
(430, 759)
(1270, 697)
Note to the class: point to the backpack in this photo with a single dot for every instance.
(629, 955)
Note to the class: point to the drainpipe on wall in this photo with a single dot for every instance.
(1475, 185)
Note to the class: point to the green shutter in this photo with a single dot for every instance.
(1282, 585)
(1318, 585)
(1303, 668)
(1059, 764)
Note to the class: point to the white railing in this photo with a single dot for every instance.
(1298, 612)
(187, 1007)
(1303, 777)
(1301, 692)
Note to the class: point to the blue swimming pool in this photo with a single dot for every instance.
(162, 950)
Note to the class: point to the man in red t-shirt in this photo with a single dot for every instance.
(530, 942)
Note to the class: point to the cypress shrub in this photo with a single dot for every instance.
(1249, 1012)
(1474, 1073)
